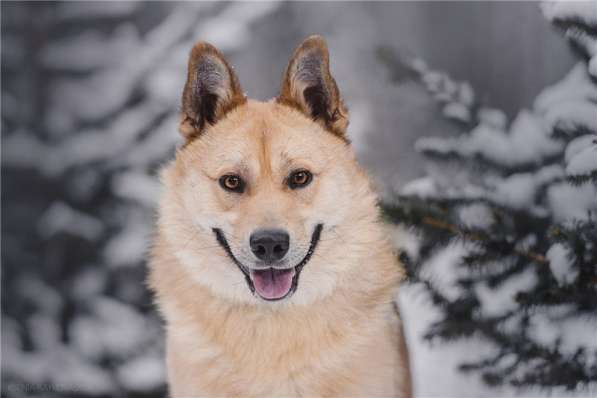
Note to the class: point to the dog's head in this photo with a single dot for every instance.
(265, 201)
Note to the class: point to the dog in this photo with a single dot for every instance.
(270, 264)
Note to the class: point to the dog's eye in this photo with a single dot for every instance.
(299, 179)
(232, 183)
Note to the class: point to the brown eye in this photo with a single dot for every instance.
(232, 183)
(299, 179)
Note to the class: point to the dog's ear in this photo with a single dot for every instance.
(211, 90)
(309, 86)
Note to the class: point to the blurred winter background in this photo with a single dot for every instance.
(90, 94)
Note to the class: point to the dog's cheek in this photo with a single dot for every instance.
(205, 205)
(329, 204)
(318, 280)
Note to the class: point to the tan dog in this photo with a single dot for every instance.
(270, 264)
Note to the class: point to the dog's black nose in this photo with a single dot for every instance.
(269, 245)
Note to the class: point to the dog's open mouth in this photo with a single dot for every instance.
(271, 283)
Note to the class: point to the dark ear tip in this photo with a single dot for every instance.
(201, 49)
(315, 39)
(314, 42)
(203, 46)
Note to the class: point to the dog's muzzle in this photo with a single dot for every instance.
(270, 283)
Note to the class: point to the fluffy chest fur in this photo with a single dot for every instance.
(348, 345)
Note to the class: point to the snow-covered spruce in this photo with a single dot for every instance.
(520, 200)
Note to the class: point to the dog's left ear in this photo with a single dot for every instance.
(212, 89)
(309, 86)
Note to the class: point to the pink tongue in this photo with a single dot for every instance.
(272, 283)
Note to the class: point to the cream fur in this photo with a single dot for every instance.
(338, 334)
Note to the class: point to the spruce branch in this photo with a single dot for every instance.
(435, 223)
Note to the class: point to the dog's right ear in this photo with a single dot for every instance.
(212, 89)
(309, 86)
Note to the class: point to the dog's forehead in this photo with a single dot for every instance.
(266, 134)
